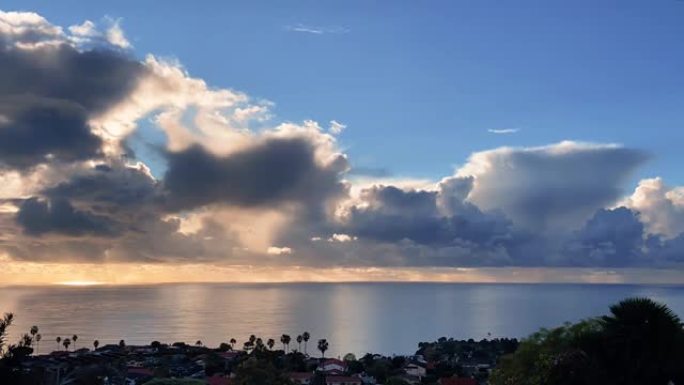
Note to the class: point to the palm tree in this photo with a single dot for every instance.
(122, 344)
(66, 344)
(74, 338)
(299, 342)
(270, 343)
(198, 343)
(306, 337)
(96, 343)
(34, 331)
(259, 344)
(59, 341)
(323, 346)
(232, 343)
(285, 339)
(642, 341)
(38, 338)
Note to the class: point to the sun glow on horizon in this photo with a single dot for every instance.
(79, 283)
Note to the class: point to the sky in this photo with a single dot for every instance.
(321, 140)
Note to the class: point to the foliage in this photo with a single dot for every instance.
(255, 371)
(174, 381)
(640, 342)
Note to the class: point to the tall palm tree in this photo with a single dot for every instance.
(34, 331)
(59, 342)
(66, 344)
(270, 343)
(323, 346)
(299, 342)
(306, 337)
(96, 343)
(38, 338)
(232, 343)
(285, 339)
(74, 338)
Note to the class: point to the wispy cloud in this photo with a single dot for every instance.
(316, 30)
(503, 131)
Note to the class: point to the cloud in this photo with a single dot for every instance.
(233, 186)
(661, 208)
(50, 91)
(58, 216)
(273, 250)
(336, 127)
(273, 171)
(554, 187)
(503, 131)
(316, 30)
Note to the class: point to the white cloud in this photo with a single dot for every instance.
(316, 30)
(336, 127)
(557, 186)
(274, 250)
(503, 130)
(661, 207)
(341, 238)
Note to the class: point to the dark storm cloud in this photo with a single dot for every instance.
(47, 96)
(394, 214)
(38, 217)
(275, 171)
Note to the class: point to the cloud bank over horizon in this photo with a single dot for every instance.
(238, 187)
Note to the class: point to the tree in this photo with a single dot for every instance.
(305, 337)
(232, 343)
(59, 341)
(639, 342)
(285, 339)
(323, 346)
(299, 342)
(96, 343)
(74, 338)
(38, 338)
(33, 331)
(270, 343)
(122, 344)
(198, 343)
(5, 323)
(66, 344)
(644, 342)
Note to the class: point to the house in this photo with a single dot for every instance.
(342, 380)
(301, 378)
(332, 365)
(415, 370)
(456, 381)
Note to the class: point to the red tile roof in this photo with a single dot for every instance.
(334, 361)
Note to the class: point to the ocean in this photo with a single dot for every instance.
(388, 318)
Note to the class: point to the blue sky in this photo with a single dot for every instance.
(419, 84)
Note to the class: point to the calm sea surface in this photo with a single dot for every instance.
(356, 317)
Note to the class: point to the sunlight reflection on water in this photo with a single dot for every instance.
(356, 317)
